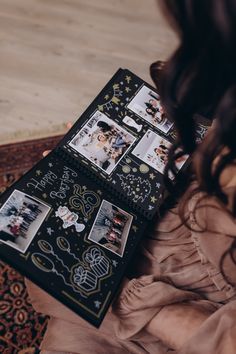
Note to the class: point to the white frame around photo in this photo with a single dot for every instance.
(145, 151)
(33, 227)
(86, 134)
(137, 105)
(127, 228)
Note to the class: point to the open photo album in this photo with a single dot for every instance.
(73, 222)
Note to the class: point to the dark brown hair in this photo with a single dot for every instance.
(200, 78)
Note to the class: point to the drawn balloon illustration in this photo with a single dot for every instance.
(45, 264)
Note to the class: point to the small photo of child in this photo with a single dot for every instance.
(147, 105)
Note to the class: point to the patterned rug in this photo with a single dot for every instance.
(21, 329)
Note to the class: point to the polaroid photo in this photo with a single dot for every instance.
(20, 218)
(146, 104)
(102, 141)
(111, 228)
(153, 150)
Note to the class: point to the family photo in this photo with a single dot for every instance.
(146, 104)
(20, 218)
(102, 141)
(111, 228)
(153, 149)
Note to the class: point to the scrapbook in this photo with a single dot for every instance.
(72, 223)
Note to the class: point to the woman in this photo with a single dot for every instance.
(183, 299)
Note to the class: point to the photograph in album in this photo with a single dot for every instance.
(111, 228)
(146, 104)
(102, 141)
(153, 149)
(20, 218)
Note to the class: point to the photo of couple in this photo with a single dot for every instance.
(153, 149)
(102, 141)
(147, 105)
(111, 228)
(20, 219)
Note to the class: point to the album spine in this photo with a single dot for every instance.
(107, 186)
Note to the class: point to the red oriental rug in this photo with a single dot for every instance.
(21, 328)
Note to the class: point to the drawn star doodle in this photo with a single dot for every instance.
(128, 79)
(114, 100)
(153, 199)
(97, 304)
(50, 230)
(114, 263)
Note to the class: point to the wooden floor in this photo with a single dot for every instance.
(55, 56)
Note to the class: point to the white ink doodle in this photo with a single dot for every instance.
(135, 187)
(48, 179)
(84, 200)
(65, 180)
(69, 218)
(47, 265)
(131, 123)
(98, 263)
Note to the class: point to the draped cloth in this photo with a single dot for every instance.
(177, 265)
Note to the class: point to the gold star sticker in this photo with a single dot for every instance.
(152, 176)
(135, 228)
(38, 172)
(115, 100)
(153, 199)
(106, 97)
(128, 78)
(127, 89)
(115, 86)
(100, 108)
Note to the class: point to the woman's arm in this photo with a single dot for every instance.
(176, 323)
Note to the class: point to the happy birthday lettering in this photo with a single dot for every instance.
(48, 179)
(65, 180)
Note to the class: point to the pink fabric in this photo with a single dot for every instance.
(178, 265)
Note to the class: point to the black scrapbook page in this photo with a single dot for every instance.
(69, 236)
(123, 139)
(72, 223)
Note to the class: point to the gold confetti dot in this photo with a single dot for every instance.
(143, 168)
(126, 169)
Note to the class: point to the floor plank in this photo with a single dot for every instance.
(55, 56)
